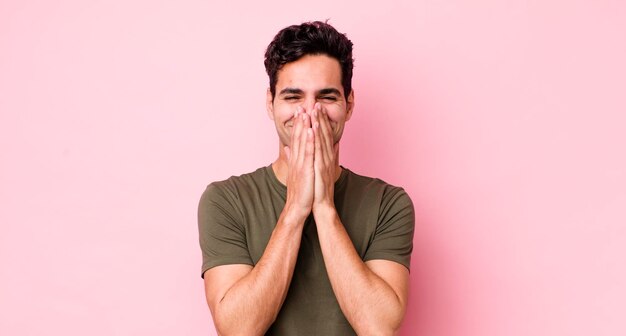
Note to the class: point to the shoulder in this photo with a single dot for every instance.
(228, 192)
(231, 186)
(227, 198)
(387, 199)
(367, 184)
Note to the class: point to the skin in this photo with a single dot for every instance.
(310, 111)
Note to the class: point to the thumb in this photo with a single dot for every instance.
(287, 152)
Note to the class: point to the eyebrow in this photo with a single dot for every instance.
(290, 91)
(324, 91)
(329, 91)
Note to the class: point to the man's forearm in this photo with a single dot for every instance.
(371, 306)
(251, 305)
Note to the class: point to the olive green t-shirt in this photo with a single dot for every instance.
(236, 218)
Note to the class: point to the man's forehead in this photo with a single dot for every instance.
(318, 66)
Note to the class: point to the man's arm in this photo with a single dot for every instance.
(371, 295)
(245, 300)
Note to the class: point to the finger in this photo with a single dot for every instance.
(310, 148)
(307, 120)
(315, 125)
(317, 138)
(309, 153)
(314, 114)
(322, 137)
(327, 140)
(295, 133)
(329, 135)
(304, 119)
(287, 152)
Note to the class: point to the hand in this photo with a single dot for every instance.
(325, 162)
(300, 176)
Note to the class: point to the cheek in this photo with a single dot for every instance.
(334, 111)
(336, 117)
(282, 113)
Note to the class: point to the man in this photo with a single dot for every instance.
(305, 246)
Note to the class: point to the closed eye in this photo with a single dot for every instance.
(329, 98)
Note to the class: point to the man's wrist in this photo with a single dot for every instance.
(294, 215)
(324, 213)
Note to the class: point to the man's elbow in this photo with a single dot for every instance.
(389, 326)
(377, 330)
(227, 325)
(235, 329)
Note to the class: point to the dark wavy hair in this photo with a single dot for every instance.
(309, 38)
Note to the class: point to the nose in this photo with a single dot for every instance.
(308, 104)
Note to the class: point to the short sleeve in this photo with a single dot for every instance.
(221, 231)
(393, 238)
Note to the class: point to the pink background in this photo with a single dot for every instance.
(504, 120)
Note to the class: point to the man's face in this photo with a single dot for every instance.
(310, 79)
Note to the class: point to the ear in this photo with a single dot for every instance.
(269, 104)
(350, 105)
